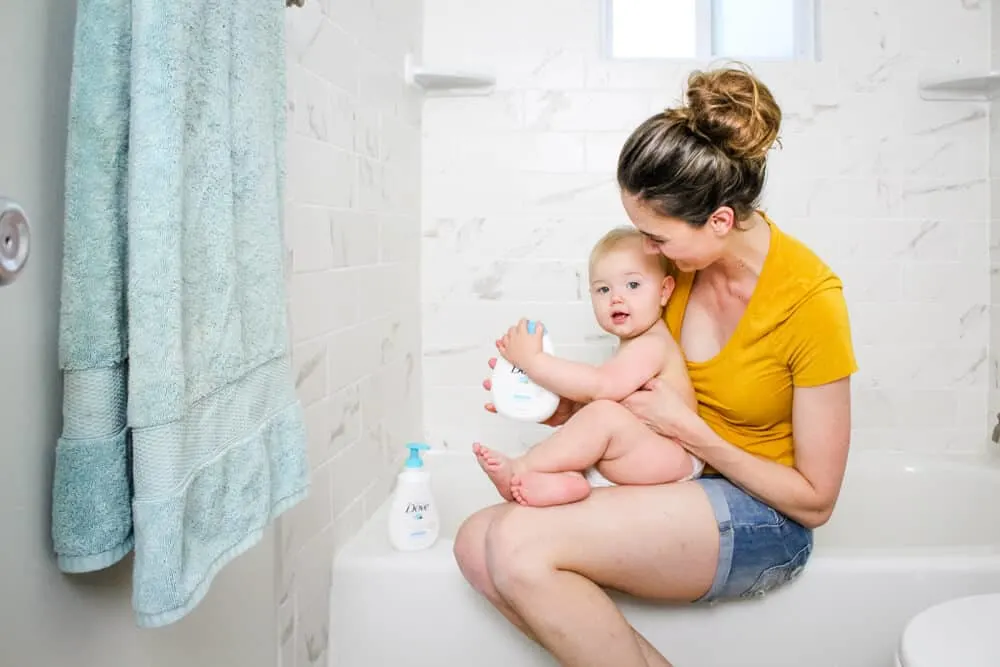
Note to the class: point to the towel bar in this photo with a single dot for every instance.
(294, 3)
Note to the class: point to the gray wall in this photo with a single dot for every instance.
(48, 619)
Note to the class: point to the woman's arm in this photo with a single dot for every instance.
(821, 422)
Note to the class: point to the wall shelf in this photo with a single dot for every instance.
(447, 81)
(960, 85)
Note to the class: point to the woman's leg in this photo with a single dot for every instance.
(658, 542)
(470, 553)
(653, 542)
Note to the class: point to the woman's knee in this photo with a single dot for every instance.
(516, 559)
(470, 549)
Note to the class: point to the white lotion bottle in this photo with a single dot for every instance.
(516, 396)
(414, 522)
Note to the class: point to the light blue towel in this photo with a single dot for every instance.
(181, 429)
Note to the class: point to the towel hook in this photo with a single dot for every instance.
(15, 241)
(294, 3)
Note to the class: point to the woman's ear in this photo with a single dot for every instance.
(722, 220)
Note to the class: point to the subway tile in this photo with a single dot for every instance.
(312, 596)
(320, 174)
(437, 209)
(309, 366)
(314, 116)
(584, 111)
(351, 472)
(352, 234)
(354, 237)
(333, 55)
(312, 515)
(310, 239)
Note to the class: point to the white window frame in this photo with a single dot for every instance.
(806, 22)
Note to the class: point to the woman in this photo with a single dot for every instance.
(763, 324)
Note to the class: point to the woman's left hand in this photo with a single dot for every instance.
(662, 409)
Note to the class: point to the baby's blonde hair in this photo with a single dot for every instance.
(625, 234)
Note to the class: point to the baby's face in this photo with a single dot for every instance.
(628, 290)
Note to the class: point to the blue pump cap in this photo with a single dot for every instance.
(531, 326)
(414, 460)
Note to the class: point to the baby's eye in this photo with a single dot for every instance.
(602, 290)
(633, 284)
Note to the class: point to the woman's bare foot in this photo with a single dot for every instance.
(541, 489)
(497, 467)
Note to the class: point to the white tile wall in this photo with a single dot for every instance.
(504, 195)
(352, 232)
(891, 190)
(993, 416)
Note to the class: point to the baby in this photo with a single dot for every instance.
(628, 289)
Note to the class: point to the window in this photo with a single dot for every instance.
(761, 29)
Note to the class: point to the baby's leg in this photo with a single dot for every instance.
(597, 431)
(646, 457)
(601, 431)
(625, 450)
(563, 487)
(548, 474)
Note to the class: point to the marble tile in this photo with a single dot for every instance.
(352, 353)
(352, 234)
(314, 115)
(966, 199)
(321, 174)
(333, 55)
(420, 228)
(286, 634)
(895, 193)
(352, 472)
(399, 238)
(584, 111)
(497, 112)
(312, 515)
(333, 424)
(354, 237)
(309, 365)
(311, 240)
(312, 597)
(323, 302)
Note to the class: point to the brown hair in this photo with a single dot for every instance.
(712, 151)
(621, 235)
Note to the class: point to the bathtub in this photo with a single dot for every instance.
(909, 531)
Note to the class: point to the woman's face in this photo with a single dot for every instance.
(691, 248)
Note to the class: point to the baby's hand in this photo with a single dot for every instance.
(520, 347)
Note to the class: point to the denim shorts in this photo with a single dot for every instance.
(759, 548)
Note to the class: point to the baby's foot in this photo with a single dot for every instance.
(497, 467)
(541, 489)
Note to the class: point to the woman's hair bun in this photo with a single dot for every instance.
(732, 109)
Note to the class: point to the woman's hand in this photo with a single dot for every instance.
(662, 409)
(563, 412)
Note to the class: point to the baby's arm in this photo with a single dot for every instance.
(627, 371)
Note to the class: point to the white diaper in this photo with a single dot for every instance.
(598, 480)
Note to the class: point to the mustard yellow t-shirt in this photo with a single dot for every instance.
(795, 333)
